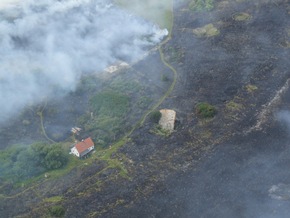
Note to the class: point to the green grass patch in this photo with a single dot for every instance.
(208, 30)
(106, 155)
(234, 106)
(201, 5)
(54, 199)
(158, 130)
(242, 16)
(57, 211)
(110, 103)
(159, 12)
(251, 88)
(205, 110)
(107, 117)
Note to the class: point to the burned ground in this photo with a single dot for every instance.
(222, 167)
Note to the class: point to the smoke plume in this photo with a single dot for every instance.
(47, 45)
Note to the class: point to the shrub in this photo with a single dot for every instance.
(155, 116)
(57, 211)
(49, 156)
(205, 110)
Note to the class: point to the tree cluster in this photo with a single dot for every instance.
(19, 162)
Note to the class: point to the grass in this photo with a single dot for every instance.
(242, 16)
(158, 130)
(251, 88)
(201, 5)
(109, 114)
(159, 12)
(205, 110)
(54, 199)
(208, 30)
(234, 106)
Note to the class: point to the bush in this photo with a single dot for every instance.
(57, 211)
(19, 162)
(205, 110)
(49, 156)
(155, 116)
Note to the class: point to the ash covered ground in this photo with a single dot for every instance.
(234, 165)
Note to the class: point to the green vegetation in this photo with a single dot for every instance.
(19, 163)
(206, 31)
(50, 157)
(110, 103)
(158, 130)
(242, 16)
(251, 88)
(55, 199)
(57, 211)
(108, 114)
(155, 116)
(205, 110)
(175, 54)
(159, 12)
(234, 106)
(201, 5)
(129, 97)
(143, 102)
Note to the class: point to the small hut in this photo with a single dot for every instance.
(167, 120)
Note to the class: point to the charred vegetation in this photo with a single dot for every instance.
(239, 71)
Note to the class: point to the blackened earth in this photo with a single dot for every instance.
(223, 167)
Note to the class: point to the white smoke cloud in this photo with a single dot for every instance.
(48, 44)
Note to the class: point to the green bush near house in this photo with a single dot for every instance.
(205, 110)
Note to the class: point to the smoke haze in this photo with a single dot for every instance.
(46, 46)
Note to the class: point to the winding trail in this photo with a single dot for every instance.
(40, 114)
(106, 153)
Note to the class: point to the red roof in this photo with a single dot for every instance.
(84, 145)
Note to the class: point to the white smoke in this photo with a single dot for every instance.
(47, 45)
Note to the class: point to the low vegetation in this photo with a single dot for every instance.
(205, 110)
(251, 88)
(242, 16)
(201, 5)
(57, 211)
(108, 114)
(155, 116)
(19, 163)
(234, 106)
(158, 130)
(175, 54)
(208, 30)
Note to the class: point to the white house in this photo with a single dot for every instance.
(83, 148)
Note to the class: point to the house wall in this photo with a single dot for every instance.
(75, 152)
(87, 151)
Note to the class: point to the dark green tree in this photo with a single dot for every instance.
(205, 110)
